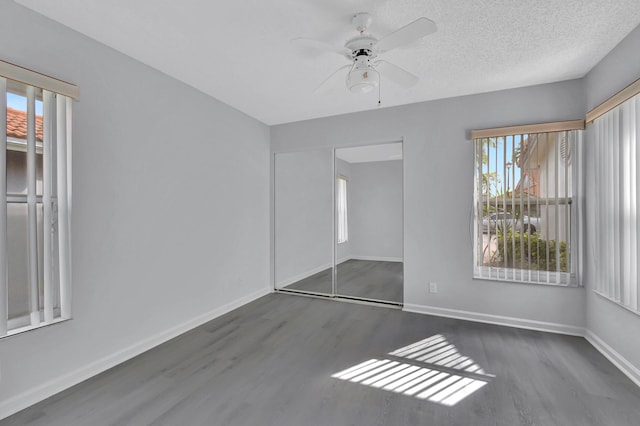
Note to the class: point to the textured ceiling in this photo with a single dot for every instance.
(239, 51)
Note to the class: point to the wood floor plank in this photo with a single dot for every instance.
(275, 360)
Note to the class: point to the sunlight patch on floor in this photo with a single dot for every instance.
(422, 370)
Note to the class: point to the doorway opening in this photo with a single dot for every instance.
(338, 223)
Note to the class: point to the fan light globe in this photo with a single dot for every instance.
(363, 78)
(363, 82)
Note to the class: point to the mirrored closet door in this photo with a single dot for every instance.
(369, 222)
(303, 221)
(338, 222)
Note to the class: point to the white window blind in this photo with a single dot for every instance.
(341, 205)
(613, 199)
(525, 217)
(35, 182)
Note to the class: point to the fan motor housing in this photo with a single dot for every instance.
(362, 45)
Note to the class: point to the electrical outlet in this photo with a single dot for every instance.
(433, 287)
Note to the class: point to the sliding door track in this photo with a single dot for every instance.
(342, 298)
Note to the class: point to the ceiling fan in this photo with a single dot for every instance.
(363, 71)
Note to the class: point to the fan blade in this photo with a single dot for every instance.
(331, 83)
(309, 43)
(419, 28)
(396, 74)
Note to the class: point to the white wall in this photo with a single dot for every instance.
(608, 322)
(303, 214)
(615, 71)
(438, 196)
(375, 210)
(170, 202)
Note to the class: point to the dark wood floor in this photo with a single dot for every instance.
(359, 278)
(289, 360)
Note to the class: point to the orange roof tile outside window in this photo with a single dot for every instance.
(17, 124)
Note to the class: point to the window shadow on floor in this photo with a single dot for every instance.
(431, 369)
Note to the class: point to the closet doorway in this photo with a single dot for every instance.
(338, 222)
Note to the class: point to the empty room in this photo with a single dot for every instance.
(360, 212)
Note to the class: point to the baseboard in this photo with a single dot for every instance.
(496, 319)
(45, 390)
(623, 364)
(303, 275)
(377, 258)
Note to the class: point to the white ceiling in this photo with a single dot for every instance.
(369, 153)
(239, 51)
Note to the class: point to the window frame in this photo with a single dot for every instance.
(54, 201)
(519, 275)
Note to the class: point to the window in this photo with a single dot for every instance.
(525, 219)
(341, 206)
(613, 199)
(35, 142)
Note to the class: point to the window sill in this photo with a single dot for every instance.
(26, 328)
(520, 276)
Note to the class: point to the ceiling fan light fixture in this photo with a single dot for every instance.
(363, 77)
(363, 50)
(363, 82)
